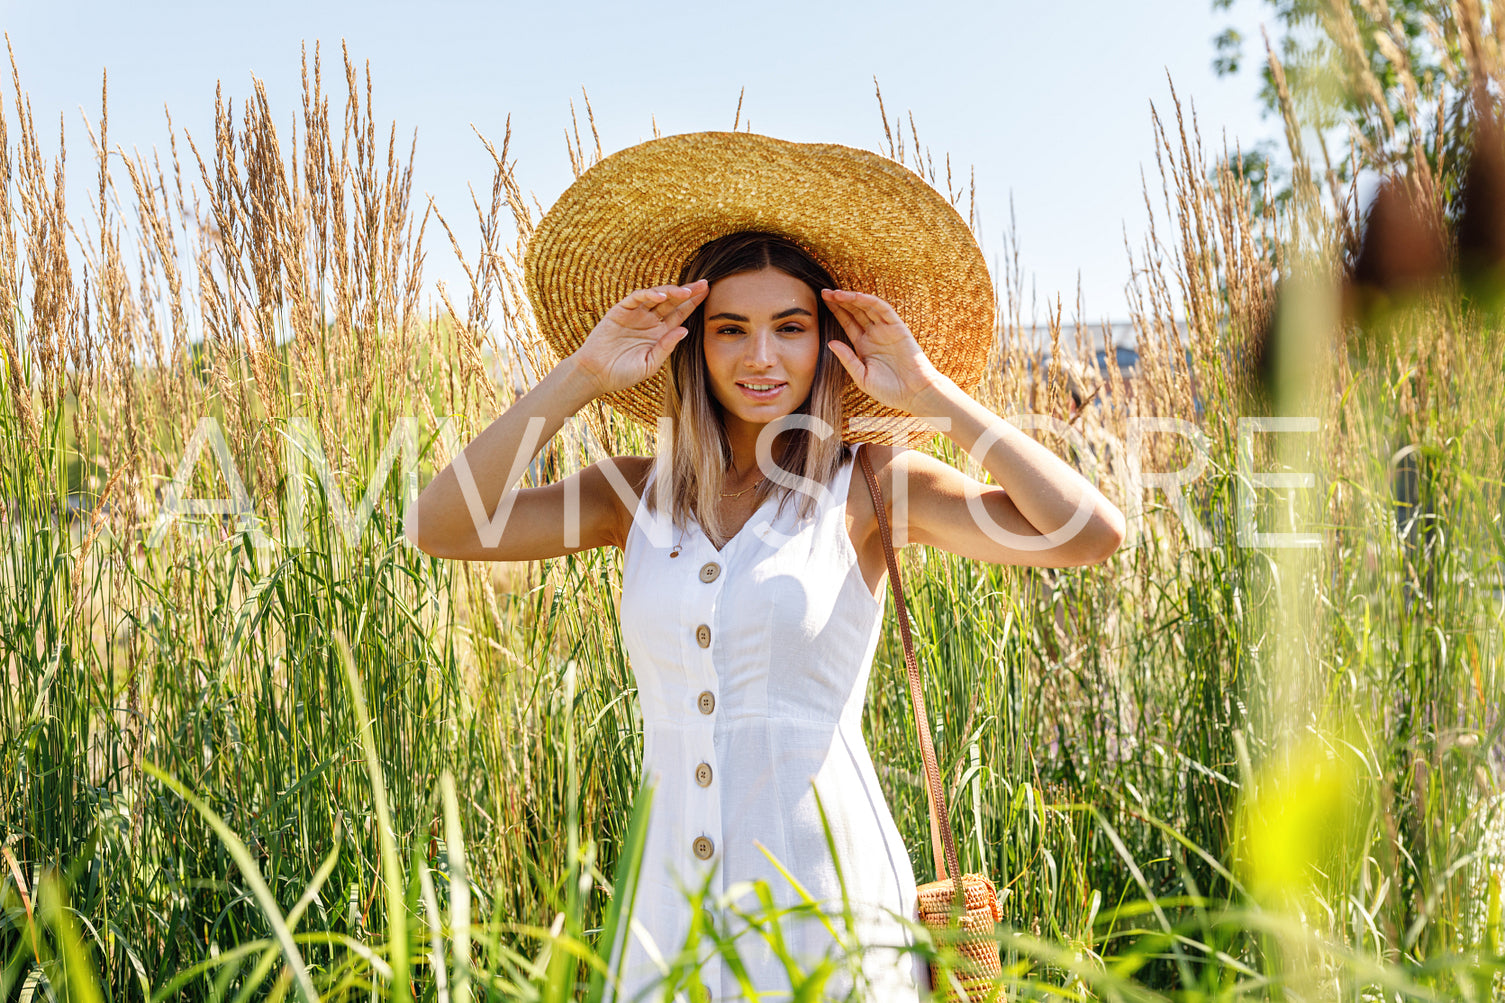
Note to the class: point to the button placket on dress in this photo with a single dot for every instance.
(702, 609)
(705, 568)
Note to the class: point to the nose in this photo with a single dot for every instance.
(760, 350)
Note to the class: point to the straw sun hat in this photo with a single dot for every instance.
(633, 220)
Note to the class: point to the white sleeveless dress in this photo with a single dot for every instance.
(752, 665)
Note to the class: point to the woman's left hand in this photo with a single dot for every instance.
(888, 364)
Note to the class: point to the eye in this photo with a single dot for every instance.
(728, 329)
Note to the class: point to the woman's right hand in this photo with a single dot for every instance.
(636, 335)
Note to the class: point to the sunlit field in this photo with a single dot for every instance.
(255, 745)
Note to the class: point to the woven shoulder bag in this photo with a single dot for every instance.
(963, 913)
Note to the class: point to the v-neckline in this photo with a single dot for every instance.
(743, 528)
(849, 460)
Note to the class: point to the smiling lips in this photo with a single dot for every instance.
(761, 390)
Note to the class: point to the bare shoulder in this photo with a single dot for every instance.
(613, 486)
(890, 463)
(923, 478)
(862, 516)
(616, 471)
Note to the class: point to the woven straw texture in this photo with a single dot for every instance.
(634, 219)
(979, 971)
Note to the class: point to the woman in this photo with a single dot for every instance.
(752, 592)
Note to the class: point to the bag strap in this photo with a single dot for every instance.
(942, 839)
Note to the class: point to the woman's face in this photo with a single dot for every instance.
(762, 343)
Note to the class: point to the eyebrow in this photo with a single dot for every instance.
(792, 311)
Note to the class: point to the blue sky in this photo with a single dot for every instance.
(1050, 103)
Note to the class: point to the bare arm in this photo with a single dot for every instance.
(472, 510)
(469, 512)
(1039, 512)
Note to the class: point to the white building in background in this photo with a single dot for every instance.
(1119, 338)
(1118, 333)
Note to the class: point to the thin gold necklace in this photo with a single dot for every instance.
(739, 494)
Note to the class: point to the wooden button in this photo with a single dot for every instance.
(709, 572)
(703, 636)
(703, 774)
(703, 847)
(706, 701)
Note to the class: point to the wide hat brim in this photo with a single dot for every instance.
(633, 220)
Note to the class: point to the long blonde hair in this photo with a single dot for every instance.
(700, 453)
